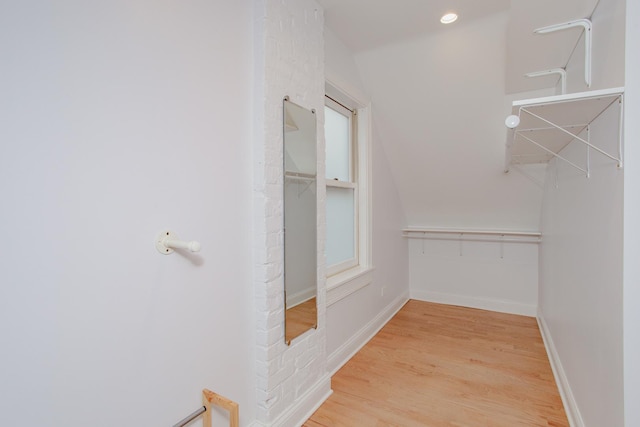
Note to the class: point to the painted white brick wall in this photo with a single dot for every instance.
(289, 61)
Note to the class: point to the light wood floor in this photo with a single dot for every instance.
(300, 319)
(438, 365)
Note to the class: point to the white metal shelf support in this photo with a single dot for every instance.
(576, 137)
(561, 71)
(586, 25)
(542, 147)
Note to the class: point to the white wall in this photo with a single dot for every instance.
(482, 274)
(440, 110)
(581, 277)
(340, 67)
(121, 119)
(581, 295)
(631, 273)
(440, 106)
(352, 320)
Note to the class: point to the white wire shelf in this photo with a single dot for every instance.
(545, 126)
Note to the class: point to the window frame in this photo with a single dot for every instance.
(343, 282)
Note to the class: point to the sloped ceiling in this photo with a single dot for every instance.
(369, 24)
(440, 95)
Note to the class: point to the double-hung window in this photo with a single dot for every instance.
(348, 236)
(342, 187)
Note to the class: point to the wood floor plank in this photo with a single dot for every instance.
(438, 365)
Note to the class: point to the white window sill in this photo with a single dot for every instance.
(344, 284)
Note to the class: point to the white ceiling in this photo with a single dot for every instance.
(369, 24)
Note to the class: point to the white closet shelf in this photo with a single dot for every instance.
(547, 125)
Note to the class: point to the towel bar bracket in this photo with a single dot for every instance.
(167, 241)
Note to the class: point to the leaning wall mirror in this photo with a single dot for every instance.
(300, 220)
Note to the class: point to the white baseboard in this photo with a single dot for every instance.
(304, 407)
(501, 306)
(346, 351)
(568, 400)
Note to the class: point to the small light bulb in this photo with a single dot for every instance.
(512, 121)
(449, 18)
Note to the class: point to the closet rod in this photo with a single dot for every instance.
(340, 103)
(476, 239)
(192, 416)
(406, 232)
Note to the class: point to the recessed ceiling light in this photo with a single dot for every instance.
(449, 18)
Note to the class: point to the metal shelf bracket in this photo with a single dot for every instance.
(586, 25)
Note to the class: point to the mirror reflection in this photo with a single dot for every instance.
(300, 220)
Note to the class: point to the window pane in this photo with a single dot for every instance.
(340, 225)
(337, 130)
